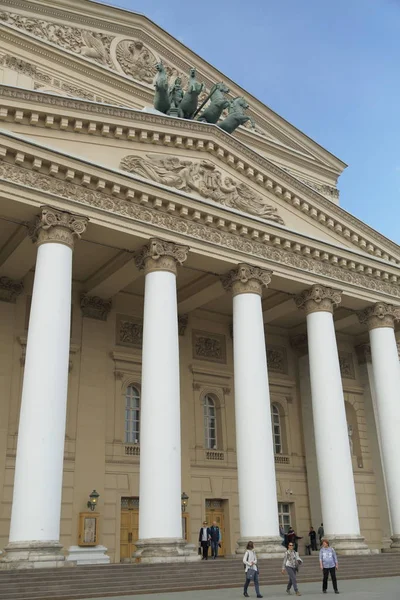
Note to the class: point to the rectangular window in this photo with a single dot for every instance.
(284, 516)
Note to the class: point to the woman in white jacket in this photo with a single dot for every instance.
(251, 569)
(291, 563)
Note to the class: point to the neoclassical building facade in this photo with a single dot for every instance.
(190, 324)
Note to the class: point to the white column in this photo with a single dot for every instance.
(254, 445)
(386, 369)
(160, 518)
(35, 517)
(335, 470)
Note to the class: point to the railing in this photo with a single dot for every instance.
(215, 455)
(132, 450)
(281, 459)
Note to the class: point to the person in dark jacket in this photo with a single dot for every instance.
(204, 540)
(312, 534)
(292, 538)
(215, 539)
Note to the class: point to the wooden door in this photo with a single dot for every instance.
(215, 512)
(129, 532)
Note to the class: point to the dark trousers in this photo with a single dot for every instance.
(204, 546)
(292, 579)
(332, 571)
(314, 545)
(247, 583)
(214, 549)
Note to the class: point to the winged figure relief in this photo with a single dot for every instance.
(202, 178)
(94, 47)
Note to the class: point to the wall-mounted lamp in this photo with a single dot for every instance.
(289, 492)
(184, 501)
(92, 502)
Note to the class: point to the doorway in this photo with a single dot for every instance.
(215, 512)
(129, 527)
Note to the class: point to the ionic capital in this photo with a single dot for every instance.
(10, 289)
(318, 298)
(246, 279)
(159, 255)
(57, 227)
(379, 315)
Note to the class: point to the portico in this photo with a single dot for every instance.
(181, 311)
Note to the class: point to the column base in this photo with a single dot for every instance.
(32, 555)
(165, 550)
(265, 547)
(348, 544)
(394, 546)
(92, 555)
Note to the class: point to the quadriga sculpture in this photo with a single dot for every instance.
(161, 97)
(236, 115)
(189, 102)
(218, 103)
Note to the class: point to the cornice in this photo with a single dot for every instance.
(138, 202)
(271, 122)
(193, 135)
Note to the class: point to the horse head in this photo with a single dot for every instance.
(222, 88)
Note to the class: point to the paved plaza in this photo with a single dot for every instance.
(387, 588)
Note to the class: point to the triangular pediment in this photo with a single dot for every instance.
(92, 43)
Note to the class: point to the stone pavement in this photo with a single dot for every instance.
(387, 588)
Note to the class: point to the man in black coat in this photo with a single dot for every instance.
(204, 540)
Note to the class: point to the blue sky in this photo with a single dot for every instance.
(329, 67)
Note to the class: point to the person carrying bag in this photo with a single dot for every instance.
(291, 563)
(251, 570)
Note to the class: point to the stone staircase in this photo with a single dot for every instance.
(75, 583)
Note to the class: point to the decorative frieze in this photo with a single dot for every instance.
(10, 289)
(209, 346)
(256, 243)
(201, 177)
(379, 315)
(129, 331)
(55, 226)
(159, 255)
(183, 321)
(346, 365)
(318, 298)
(94, 307)
(277, 359)
(246, 279)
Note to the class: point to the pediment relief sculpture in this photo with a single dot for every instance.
(136, 60)
(202, 178)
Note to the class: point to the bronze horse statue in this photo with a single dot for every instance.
(218, 103)
(161, 97)
(236, 115)
(189, 102)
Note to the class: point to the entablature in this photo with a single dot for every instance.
(114, 199)
(133, 128)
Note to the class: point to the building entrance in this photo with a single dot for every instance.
(129, 527)
(215, 512)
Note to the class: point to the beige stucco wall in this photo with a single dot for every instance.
(94, 451)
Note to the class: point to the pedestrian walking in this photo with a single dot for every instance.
(329, 564)
(291, 564)
(251, 570)
(204, 540)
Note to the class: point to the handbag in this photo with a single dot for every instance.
(250, 574)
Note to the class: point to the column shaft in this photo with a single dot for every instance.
(160, 441)
(386, 369)
(258, 506)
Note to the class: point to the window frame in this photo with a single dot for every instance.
(208, 445)
(132, 432)
(276, 422)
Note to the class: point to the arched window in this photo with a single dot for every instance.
(132, 415)
(210, 423)
(276, 429)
